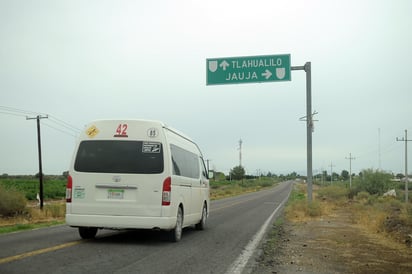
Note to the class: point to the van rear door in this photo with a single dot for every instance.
(118, 177)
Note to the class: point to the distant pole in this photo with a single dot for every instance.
(379, 148)
(405, 139)
(38, 117)
(322, 176)
(331, 172)
(240, 152)
(406, 167)
(350, 169)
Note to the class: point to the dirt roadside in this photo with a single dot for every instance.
(330, 244)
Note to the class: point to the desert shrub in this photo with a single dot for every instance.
(352, 192)
(408, 214)
(55, 210)
(395, 204)
(333, 193)
(295, 209)
(314, 209)
(296, 195)
(298, 209)
(12, 202)
(266, 184)
(298, 206)
(374, 182)
(363, 195)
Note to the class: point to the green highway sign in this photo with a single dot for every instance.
(248, 69)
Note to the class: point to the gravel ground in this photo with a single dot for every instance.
(330, 244)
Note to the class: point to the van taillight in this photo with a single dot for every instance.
(166, 192)
(69, 188)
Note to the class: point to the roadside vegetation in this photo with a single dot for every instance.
(364, 201)
(223, 188)
(19, 207)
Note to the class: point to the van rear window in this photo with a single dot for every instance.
(114, 156)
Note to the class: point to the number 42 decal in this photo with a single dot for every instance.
(121, 130)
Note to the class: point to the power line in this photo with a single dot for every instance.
(20, 111)
(13, 114)
(62, 131)
(66, 127)
(64, 124)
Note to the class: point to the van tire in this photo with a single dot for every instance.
(176, 233)
(87, 232)
(202, 224)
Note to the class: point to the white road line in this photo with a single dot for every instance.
(239, 265)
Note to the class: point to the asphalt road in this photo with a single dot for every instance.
(232, 226)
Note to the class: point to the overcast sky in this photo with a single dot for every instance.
(78, 61)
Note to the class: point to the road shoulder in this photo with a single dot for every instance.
(330, 244)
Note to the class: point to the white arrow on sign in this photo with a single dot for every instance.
(267, 74)
(224, 65)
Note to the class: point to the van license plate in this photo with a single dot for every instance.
(116, 194)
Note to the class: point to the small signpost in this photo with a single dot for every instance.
(259, 69)
(250, 69)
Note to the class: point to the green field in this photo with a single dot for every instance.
(52, 188)
(56, 188)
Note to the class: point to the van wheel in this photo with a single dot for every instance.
(202, 224)
(176, 233)
(87, 232)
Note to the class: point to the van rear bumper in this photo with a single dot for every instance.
(120, 222)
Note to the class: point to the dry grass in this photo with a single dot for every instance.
(52, 211)
(300, 210)
(386, 216)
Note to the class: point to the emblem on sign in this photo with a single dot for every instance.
(280, 73)
(212, 66)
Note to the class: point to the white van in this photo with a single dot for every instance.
(136, 174)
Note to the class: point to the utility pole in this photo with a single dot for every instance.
(350, 168)
(38, 117)
(405, 139)
(321, 178)
(379, 148)
(331, 174)
(309, 124)
(240, 152)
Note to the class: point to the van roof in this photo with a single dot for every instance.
(129, 119)
(160, 123)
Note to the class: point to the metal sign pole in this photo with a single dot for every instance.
(309, 124)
